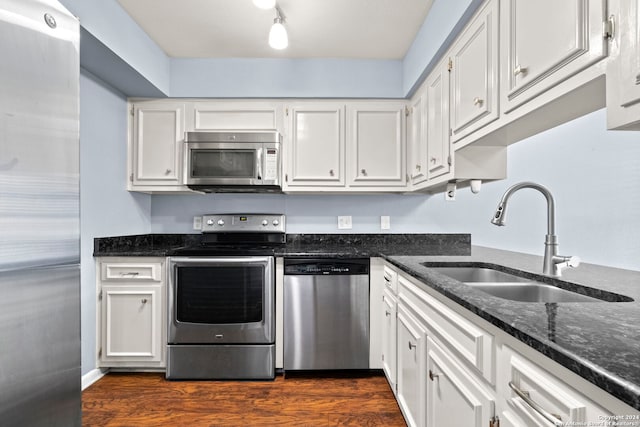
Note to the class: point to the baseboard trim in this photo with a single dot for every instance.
(92, 376)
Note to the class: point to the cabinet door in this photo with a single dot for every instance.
(474, 74)
(546, 42)
(416, 139)
(454, 398)
(389, 343)
(437, 122)
(316, 149)
(410, 364)
(375, 134)
(227, 115)
(131, 324)
(630, 52)
(158, 137)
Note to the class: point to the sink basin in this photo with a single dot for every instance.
(531, 292)
(518, 288)
(478, 274)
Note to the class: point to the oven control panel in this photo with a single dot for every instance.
(254, 223)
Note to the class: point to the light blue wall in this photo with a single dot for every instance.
(110, 24)
(286, 78)
(106, 208)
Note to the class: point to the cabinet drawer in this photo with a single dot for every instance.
(149, 272)
(470, 342)
(390, 279)
(543, 389)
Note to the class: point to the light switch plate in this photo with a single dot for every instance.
(344, 222)
(385, 222)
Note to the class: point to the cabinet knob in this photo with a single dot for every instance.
(144, 300)
(167, 172)
(331, 173)
(432, 375)
(411, 345)
(477, 101)
(418, 167)
(433, 160)
(519, 70)
(386, 313)
(364, 172)
(638, 79)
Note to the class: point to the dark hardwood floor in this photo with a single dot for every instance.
(301, 399)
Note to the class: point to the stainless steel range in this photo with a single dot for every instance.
(221, 300)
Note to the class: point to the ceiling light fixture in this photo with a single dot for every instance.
(265, 4)
(278, 38)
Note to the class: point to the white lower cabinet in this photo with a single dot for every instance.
(455, 369)
(523, 386)
(389, 330)
(411, 341)
(131, 313)
(454, 398)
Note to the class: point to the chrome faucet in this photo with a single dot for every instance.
(553, 263)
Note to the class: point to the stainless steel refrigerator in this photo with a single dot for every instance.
(39, 215)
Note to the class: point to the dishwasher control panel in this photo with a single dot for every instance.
(326, 266)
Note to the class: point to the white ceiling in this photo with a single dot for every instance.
(372, 29)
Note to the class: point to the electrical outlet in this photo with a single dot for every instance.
(197, 223)
(450, 193)
(344, 222)
(385, 222)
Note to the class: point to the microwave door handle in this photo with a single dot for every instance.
(259, 163)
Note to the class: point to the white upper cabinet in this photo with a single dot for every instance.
(156, 145)
(233, 115)
(315, 149)
(416, 139)
(437, 122)
(544, 42)
(623, 69)
(474, 74)
(375, 137)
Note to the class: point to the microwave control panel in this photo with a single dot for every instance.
(271, 164)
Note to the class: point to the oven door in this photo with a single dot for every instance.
(221, 300)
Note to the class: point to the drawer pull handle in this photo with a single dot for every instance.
(432, 375)
(554, 419)
(130, 273)
(144, 300)
(519, 70)
(411, 345)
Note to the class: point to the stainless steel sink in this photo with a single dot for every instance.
(478, 274)
(509, 286)
(531, 292)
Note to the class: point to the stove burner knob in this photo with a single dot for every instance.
(264, 222)
(276, 222)
(221, 222)
(210, 222)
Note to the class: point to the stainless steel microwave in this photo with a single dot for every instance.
(233, 161)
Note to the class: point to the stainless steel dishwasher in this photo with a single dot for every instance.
(326, 314)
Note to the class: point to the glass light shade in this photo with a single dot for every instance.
(278, 38)
(265, 4)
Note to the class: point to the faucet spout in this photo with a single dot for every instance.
(553, 263)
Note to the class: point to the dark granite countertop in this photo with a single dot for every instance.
(298, 245)
(600, 341)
